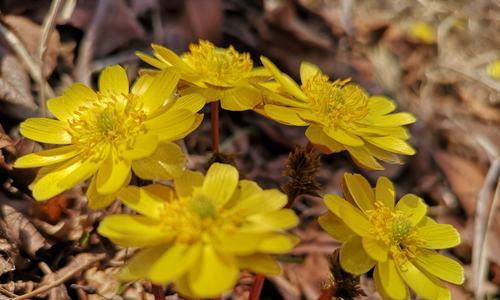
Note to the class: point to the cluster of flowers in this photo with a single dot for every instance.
(198, 231)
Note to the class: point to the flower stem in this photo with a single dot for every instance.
(215, 126)
(158, 292)
(258, 283)
(327, 294)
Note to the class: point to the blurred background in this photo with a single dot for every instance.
(439, 60)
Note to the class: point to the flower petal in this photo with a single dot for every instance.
(191, 102)
(413, 207)
(220, 183)
(139, 265)
(353, 258)
(360, 190)
(438, 236)
(214, 274)
(112, 174)
(385, 192)
(240, 98)
(96, 200)
(185, 184)
(162, 86)
(261, 202)
(144, 145)
(334, 226)
(392, 120)
(308, 70)
(363, 158)
(172, 58)
(166, 162)
(172, 125)
(45, 130)
(278, 243)
(283, 115)
(392, 144)
(148, 201)
(175, 262)
(260, 264)
(322, 141)
(440, 266)
(418, 281)
(113, 80)
(390, 280)
(134, 231)
(47, 157)
(150, 60)
(273, 220)
(289, 84)
(343, 137)
(380, 105)
(141, 84)
(76, 95)
(375, 249)
(352, 216)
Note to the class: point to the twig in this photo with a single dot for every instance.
(31, 64)
(7, 292)
(62, 279)
(48, 27)
(480, 227)
(86, 50)
(258, 283)
(158, 292)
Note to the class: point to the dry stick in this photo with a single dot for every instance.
(49, 24)
(158, 292)
(215, 126)
(480, 227)
(86, 50)
(62, 279)
(258, 283)
(31, 64)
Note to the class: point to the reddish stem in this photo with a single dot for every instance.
(215, 126)
(158, 292)
(258, 283)
(327, 294)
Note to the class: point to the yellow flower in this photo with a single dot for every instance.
(423, 32)
(217, 73)
(398, 240)
(493, 69)
(340, 115)
(200, 235)
(109, 132)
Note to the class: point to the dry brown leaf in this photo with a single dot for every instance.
(29, 33)
(15, 83)
(105, 281)
(7, 256)
(20, 231)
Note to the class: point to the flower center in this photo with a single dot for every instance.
(202, 206)
(336, 103)
(394, 229)
(112, 121)
(218, 66)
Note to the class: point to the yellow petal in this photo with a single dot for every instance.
(397, 132)
(112, 175)
(440, 266)
(308, 70)
(134, 231)
(162, 86)
(363, 158)
(273, 220)
(151, 60)
(166, 162)
(214, 274)
(78, 173)
(418, 281)
(175, 262)
(360, 190)
(191, 102)
(220, 183)
(375, 249)
(322, 141)
(392, 120)
(249, 188)
(139, 265)
(185, 184)
(385, 192)
(172, 125)
(260, 264)
(353, 258)
(278, 243)
(335, 227)
(438, 236)
(96, 200)
(185, 130)
(343, 137)
(283, 115)
(261, 202)
(76, 95)
(391, 144)
(382, 154)
(413, 207)
(47, 157)
(240, 98)
(45, 130)
(352, 216)
(379, 287)
(380, 105)
(391, 282)
(144, 145)
(113, 80)
(148, 200)
(272, 95)
(172, 58)
(141, 84)
(291, 86)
